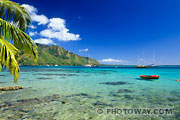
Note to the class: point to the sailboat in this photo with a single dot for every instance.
(141, 63)
(154, 61)
(88, 65)
(141, 66)
(153, 65)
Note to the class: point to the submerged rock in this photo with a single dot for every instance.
(63, 102)
(10, 88)
(84, 95)
(115, 83)
(80, 94)
(125, 91)
(128, 97)
(172, 99)
(114, 95)
(102, 104)
(31, 101)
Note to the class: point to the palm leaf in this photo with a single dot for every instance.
(14, 13)
(7, 57)
(18, 38)
(14, 21)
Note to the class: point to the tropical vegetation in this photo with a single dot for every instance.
(56, 55)
(14, 23)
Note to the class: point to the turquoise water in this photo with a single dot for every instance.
(56, 93)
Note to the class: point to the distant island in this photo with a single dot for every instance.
(56, 55)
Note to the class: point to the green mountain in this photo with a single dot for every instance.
(55, 55)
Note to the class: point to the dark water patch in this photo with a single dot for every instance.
(87, 75)
(63, 102)
(102, 104)
(2, 75)
(97, 97)
(176, 111)
(125, 91)
(171, 99)
(30, 101)
(43, 78)
(63, 77)
(84, 95)
(157, 100)
(116, 83)
(114, 100)
(74, 71)
(144, 95)
(55, 74)
(175, 93)
(80, 94)
(113, 94)
(129, 97)
(30, 80)
(3, 82)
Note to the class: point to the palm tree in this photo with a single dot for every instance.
(14, 22)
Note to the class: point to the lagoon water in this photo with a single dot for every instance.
(77, 93)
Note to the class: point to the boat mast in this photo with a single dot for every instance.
(143, 58)
(154, 60)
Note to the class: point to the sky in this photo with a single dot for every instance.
(111, 31)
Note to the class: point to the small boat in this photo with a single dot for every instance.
(141, 63)
(149, 76)
(153, 65)
(88, 65)
(141, 66)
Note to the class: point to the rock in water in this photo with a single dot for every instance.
(10, 88)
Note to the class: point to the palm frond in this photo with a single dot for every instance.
(7, 57)
(18, 38)
(14, 13)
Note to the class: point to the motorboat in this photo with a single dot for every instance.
(150, 76)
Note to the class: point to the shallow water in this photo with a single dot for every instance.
(55, 93)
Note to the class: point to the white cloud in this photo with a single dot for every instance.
(32, 33)
(57, 24)
(62, 35)
(56, 27)
(32, 27)
(83, 50)
(44, 41)
(110, 60)
(41, 19)
(31, 9)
